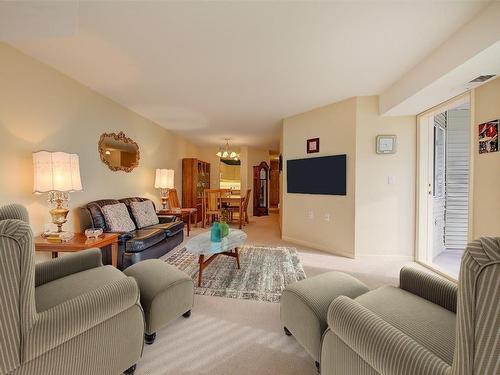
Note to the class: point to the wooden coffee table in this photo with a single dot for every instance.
(78, 243)
(202, 246)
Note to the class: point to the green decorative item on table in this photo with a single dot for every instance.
(215, 232)
(224, 229)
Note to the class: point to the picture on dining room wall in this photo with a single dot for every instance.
(488, 137)
(312, 145)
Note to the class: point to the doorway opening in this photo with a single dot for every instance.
(444, 179)
(274, 182)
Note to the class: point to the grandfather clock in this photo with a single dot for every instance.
(260, 189)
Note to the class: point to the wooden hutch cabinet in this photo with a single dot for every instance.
(261, 189)
(195, 179)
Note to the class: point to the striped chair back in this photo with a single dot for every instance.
(17, 284)
(478, 309)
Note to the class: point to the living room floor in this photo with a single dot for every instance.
(235, 336)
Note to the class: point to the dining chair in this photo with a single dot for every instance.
(173, 199)
(212, 205)
(245, 206)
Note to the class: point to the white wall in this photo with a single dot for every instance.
(486, 170)
(41, 108)
(374, 218)
(385, 213)
(335, 125)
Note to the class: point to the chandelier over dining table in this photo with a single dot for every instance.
(225, 152)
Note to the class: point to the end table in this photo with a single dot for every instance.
(78, 243)
(187, 214)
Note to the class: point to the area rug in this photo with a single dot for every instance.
(264, 273)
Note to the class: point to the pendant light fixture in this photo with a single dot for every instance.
(226, 153)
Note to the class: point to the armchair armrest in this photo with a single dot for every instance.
(67, 265)
(63, 322)
(433, 288)
(385, 348)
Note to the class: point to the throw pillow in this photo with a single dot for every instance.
(117, 218)
(144, 213)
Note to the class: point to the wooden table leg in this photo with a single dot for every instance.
(54, 254)
(201, 261)
(241, 215)
(188, 224)
(114, 254)
(237, 257)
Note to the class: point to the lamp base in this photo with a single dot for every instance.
(60, 212)
(164, 198)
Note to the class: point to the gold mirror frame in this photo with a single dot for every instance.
(120, 137)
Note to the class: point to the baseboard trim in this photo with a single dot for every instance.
(316, 246)
(408, 258)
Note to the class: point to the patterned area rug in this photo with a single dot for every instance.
(264, 273)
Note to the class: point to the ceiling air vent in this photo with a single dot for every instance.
(482, 78)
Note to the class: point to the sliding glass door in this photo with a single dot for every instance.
(444, 135)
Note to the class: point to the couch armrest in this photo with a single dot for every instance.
(63, 322)
(166, 218)
(429, 286)
(385, 348)
(67, 265)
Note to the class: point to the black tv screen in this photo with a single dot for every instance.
(323, 175)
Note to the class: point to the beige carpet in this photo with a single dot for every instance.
(243, 337)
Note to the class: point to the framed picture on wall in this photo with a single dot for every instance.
(312, 145)
(488, 137)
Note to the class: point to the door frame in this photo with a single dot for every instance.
(425, 153)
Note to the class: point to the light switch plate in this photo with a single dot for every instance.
(391, 180)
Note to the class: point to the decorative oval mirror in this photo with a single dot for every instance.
(119, 152)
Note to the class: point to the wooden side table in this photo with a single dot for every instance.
(183, 213)
(78, 243)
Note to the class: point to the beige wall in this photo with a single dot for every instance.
(385, 213)
(375, 217)
(41, 108)
(486, 177)
(335, 125)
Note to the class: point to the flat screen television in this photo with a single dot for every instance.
(321, 175)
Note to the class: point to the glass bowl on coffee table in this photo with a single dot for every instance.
(207, 250)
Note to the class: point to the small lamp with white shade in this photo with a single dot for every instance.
(164, 180)
(58, 174)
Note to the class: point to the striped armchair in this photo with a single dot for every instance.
(70, 315)
(419, 328)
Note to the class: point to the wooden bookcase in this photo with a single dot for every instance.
(195, 179)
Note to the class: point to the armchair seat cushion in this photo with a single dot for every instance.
(431, 325)
(143, 239)
(60, 290)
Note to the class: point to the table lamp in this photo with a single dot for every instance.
(58, 174)
(164, 180)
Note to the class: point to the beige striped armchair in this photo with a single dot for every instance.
(420, 328)
(71, 315)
